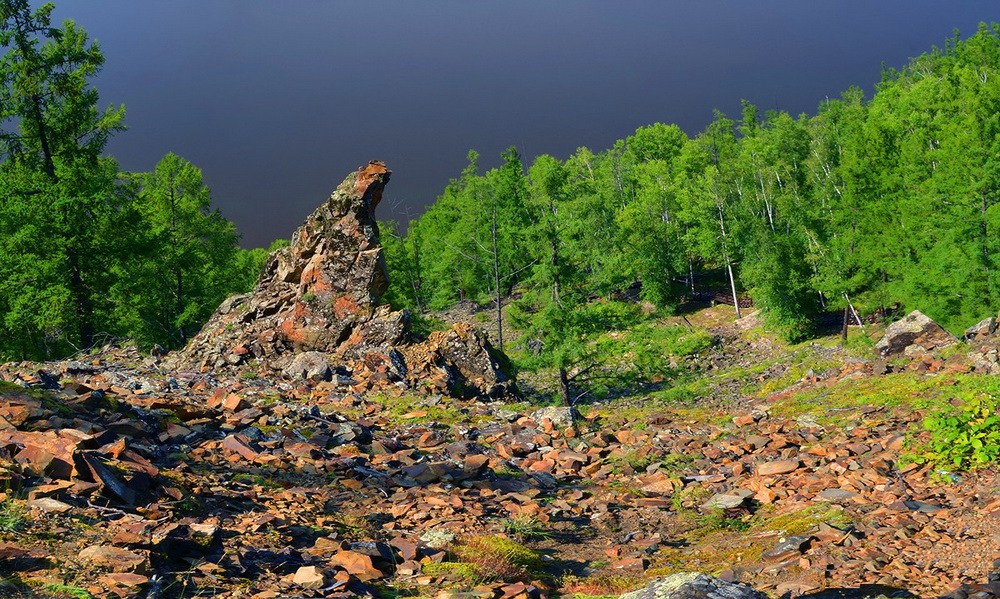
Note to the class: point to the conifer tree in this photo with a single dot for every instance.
(63, 211)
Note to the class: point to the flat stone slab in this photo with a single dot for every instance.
(777, 467)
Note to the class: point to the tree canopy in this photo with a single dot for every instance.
(881, 202)
(88, 251)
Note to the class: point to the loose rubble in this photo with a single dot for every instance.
(304, 490)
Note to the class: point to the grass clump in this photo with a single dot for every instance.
(63, 590)
(602, 585)
(526, 528)
(717, 519)
(498, 558)
(13, 516)
(800, 521)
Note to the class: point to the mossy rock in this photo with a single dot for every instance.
(463, 569)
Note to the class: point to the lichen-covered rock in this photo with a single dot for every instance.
(560, 416)
(915, 329)
(693, 585)
(316, 308)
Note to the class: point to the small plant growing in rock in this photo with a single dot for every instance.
(526, 528)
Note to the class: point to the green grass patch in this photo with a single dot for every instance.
(832, 405)
(800, 521)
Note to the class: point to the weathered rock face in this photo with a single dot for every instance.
(915, 333)
(318, 300)
(692, 585)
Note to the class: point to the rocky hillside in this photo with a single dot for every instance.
(127, 479)
(285, 453)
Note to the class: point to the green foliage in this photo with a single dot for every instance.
(965, 437)
(184, 263)
(62, 205)
(87, 251)
(889, 200)
(64, 590)
(498, 558)
(718, 520)
(463, 569)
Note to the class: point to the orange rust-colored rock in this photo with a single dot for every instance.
(777, 467)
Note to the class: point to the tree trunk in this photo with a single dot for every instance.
(179, 307)
(496, 279)
(85, 327)
(729, 264)
(555, 272)
(732, 286)
(564, 388)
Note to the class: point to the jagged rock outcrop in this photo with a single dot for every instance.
(915, 333)
(318, 300)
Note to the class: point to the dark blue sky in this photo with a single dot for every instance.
(277, 101)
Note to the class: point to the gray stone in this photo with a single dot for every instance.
(837, 494)
(694, 585)
(986, 362)
(506, 415)
(561, 417)
(49, 505)
(438, 539)
(915, 505)
(808, 421)
(312, 365)
(789, 547)
(724, 501)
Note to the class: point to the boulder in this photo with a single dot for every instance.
(915, 329)
(693, 585)
(316, 311)
(560, 416)
(311, 365)
(983, 328)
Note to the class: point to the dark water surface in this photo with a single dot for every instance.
(277, 100)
